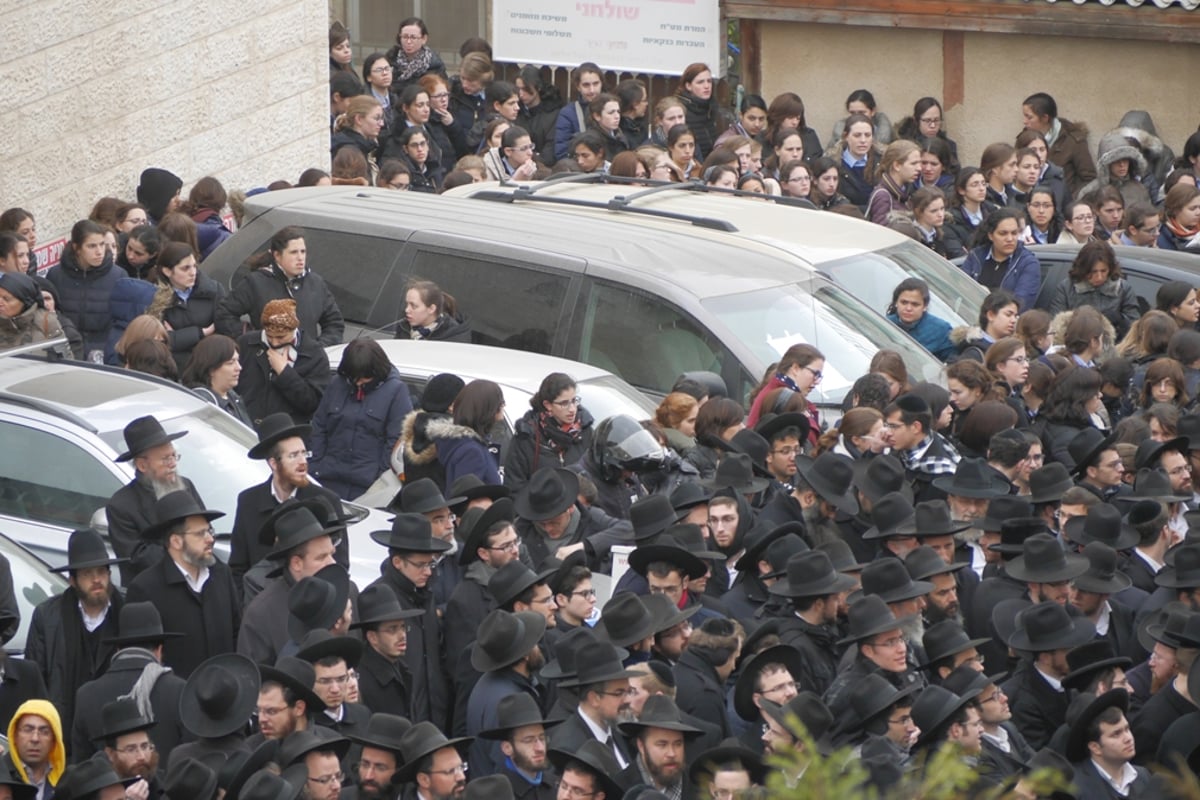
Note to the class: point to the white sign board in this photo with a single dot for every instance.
(659, 37)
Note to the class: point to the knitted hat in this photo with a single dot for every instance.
(440, 391)
(156, 188)
(279, 317)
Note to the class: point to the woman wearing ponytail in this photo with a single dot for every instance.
(556, 431)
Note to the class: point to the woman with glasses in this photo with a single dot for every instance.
(358, 421)
(969, 208)
(1044, 225)
(1079, 223)
(794, 377)
(1164, 382)
(1095, 279)
(928, 123)
(658, 163)
(414, 152)
(1008, 362)
(377, 78)
(411, 57)
(555, 432)
(513, 159)
(858, 435)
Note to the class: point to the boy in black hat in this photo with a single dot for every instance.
(521, 731)
(1102, 747)
(815, 591)
(384, 680)
(659, 734)
(489, 542)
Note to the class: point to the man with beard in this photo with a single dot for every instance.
(659, 734)
(285, 699)
(521, 732)
(380, 759)
(191, 589)
(128, 747)
(281, 445)
(887, 578)
(131, 508)
(925, 565)
(814, 589)
(947, 647)
(422, 496)
(384, 682)
(824, 487)
(984, 559)
(507, 655)
(703, 670)
(881, 648)
(953, 530)
(489, 542)
(1090, 594)
(602, 686)
(1005, 751)
(67, 633)
(432, 762)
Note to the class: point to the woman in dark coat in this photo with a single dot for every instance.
(212, 372)
(556, 431)
(463, 443)
(429, 313)
(186, 300)
(359, 420)
(412, 58)
(1067, 140)
(702, 114)
(857, 159)
(1073, 398)
(1095, 280)
(84, 280)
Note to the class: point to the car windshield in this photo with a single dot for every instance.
(872, 276)
(607, 395)
(769, 321)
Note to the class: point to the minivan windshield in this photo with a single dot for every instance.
(769, 321)
(872, 276)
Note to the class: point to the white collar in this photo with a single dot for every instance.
(999, 738)
(1157, 566)
(1055, 683)
(1122, 783)
(197, 583)
(1103, 620)
(90, 622)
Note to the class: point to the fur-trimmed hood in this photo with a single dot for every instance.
(1058, 330)
(418, 444)
(965, 333)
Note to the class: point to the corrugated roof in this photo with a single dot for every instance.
(1187, 5)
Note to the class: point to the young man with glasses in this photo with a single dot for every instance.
(490, 542)
(575, 597)
(925, 454)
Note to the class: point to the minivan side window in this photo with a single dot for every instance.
(644, 339)
(492, 297)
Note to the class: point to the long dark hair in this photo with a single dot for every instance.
(364, 358)
(208, 354)
(477, 405)
(1070, 393)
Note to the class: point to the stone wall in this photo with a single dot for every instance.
(96, 91)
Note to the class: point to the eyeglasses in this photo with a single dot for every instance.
(461, 769)
(1083, 218)
(994, 697)
(167, 461)
(325, 780)
(584, 593)
(787, 451)
(511, 547)
(297, 455)
(931, 120)
(905, 720)
(439, 96)
(574, 791)
(525, 148)
(411, 37)
(894, 426)
(381, 70)
(816, 373)
(331, 680)
(574, 401)
(270, 712)
(400, 187)
(780, 688)
(419, 566)
(619, 693)
(35, 730)
(134, 749)
(1019, 360)
(202, 532)
(895, 641)
(1153, 230)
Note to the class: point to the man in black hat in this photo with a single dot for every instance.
(925, 454)
(67, 632)
(947, 647)
(131, 508)
(703, 669)
(93, 779)
(1091, 593)
(1004, 749)
(728, 770)
(1151, 521)
(1098, 465)
(136, 668)
(412, 555)
(941, 603)
(507, 655)
(384, 680)
(672, 629)
(659, 735)
(127, 744)
(945, 718)
(970, 488)
(1001, 586)
(874, 479)
(881, 647)
(333, 657)
(192, 590)
(303, 547)
(804, 713)
(667, 567)
(767, 550)
(784, 434)
(286, 700)
(380, 759)
(423, 496)
(602, 686)
(588, 771)
(323, 755)
(767, 675)
(823, 487)
(1173, 700)
(650, 518)
(521, 731)
(218, 698)
(887, 578)
(432, 762)
(281, 445)
(489, 542)
(1102, 747)
(881, 725)
(551, 521)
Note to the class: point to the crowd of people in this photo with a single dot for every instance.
(999, 572)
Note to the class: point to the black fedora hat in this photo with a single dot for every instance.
(489, 787)
(840, 554)
(421, 497)
(1152, 484)
(735, 472)
(1165, 625)
(597, 759)
(751, 443)
(190, 778)
(759, 538)
(1047, 484)
(811, 712)
(750, 669)
(1047, 626)
(507, 583)
(691, 537)
(729, 751)
(383, 732)
(86, 549)
(966, 679)
(597, 662)
(779, 551)
(144, 433)
(869, 616)
(1102, 576)
(831, 476)
(1086, 446)
(562, 568)
(945, 639)
(931, 518)
(923, 563)
(659, 711)
(422, 739)
(887, 515)
(410, 533)
(667, 549)
(516, 710)
(505, 637)
(687, 496)
(772, 424)
(19, 788)
(121, 716)
(1005, 615)
(565, 650)
(476, 537)
(274, 429)
(173, 508)
(665, 613)
(650, 516)
(973, 478)
(811, 574)
(242, 764)
(88, 777)
(1102, 523)
(318, 601)
(295, 523)
(140, 623)
(469, 487)
(1043, 560)
(1090, 659)
(295, 674)
(934, 707)
(1189, 430)
(265, 785)
(871, 696)
(318, 644)
(321, 507)
(295, 747)
(1185, 572)
(881, 475)
(1006, 507)
(624, 620)
(219, 696)
(1077, 735)
(1149, 450)
(378, 604)
(1014, 532)
(889, 580)
(549, 492)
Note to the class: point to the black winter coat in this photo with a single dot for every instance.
(1037, 710)
(355, 430)
(469, 603)
(263, 632)
(22, 681)
(420, 452)
(187, 319)
(818, 648)
(384, 686)
(1116, 300)
(699, 691)
(467, 110)
(318, 312)
(596, 529)
(208, 621)
(703, 118)
(1057, 436)
(451, 140)
(532, 448)
(449, 329)
(130, 511)
(295, 391)
(83, 297)
(540, 122)
(254, 505)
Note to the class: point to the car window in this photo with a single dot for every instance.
(506, 306)
(48, 479)
(33, 582)
(644, 339)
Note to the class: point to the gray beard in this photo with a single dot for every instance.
(971, 535)
(914, 631)
(162, 488)
(197, 561)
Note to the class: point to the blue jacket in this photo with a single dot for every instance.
(566, 126)
(84, 295)
(353, 437)
(461, 451)
(932, 333)
(1167, 240)
(129, 298)
(1023, 277)
(210, 231)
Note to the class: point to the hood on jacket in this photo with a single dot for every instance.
(418, 444)
(69, 263)
(58, 755)
(1116, 145)
(444, 427)
(1058, 329)
(1140, 120)
(965, 333)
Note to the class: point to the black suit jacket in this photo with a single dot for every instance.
(698, 691)
(1091, 785)
(573, 732)
(1140, 573)
(1037, 709)
(130, 511)
(254, 505)
(22, 681)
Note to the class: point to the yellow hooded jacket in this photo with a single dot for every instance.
(58, 756)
